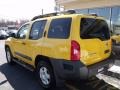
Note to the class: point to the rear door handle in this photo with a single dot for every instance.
(23, 43)
(44, 33)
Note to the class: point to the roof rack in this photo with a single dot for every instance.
(54, 14)
(45, 15)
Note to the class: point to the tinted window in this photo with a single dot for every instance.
(94, 28)
(37, 29)
(60, 28)
(23, 32)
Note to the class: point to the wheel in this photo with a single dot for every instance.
(45, 75)
(9, 56)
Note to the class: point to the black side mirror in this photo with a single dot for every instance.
(13, 35)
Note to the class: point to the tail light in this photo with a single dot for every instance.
(75, 51)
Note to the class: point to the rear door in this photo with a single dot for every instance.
(95, 38)
(57, 42)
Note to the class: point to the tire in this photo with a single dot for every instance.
(9, 56)
(45, 75)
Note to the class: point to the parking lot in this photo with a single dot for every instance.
(18, 78)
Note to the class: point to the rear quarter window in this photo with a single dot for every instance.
(60, 28)
(94, 28)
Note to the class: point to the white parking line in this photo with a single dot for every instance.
(115, 69)
(110, 80)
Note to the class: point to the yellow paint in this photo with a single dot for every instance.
(92, 50)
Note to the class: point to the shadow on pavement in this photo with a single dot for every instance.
(20, 78)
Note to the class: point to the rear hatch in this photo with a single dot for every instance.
(95, 40)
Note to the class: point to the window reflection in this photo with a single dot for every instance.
(115, 19)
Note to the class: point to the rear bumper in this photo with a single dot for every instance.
(70, 70)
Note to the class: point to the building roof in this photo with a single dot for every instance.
(73, 4)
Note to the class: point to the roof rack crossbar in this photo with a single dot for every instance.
(45, 15)
(53, 14)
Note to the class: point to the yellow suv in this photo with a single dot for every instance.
(61, 47)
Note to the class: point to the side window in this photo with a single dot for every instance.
(23, 32)
(60, 28)
(37, 29)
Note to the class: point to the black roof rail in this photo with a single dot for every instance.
(53, 14)
(45, 15)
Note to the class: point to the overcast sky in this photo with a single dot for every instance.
(24, 9)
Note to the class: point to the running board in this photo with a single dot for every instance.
(25, 65)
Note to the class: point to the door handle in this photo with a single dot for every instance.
(44, 33)
(23, 43)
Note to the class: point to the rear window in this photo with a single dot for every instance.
(94, 28)
(60, 28)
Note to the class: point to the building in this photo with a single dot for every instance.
(110, 9)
